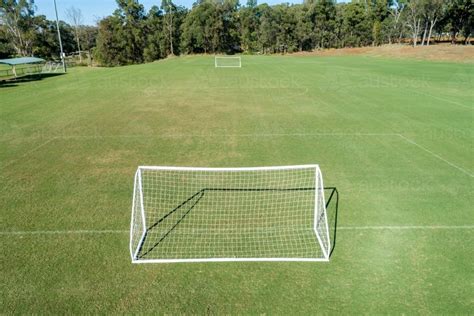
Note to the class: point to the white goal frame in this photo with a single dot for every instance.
(216, 58)
(322, 238)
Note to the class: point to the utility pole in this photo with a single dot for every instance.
(170, 12)
(59, 37)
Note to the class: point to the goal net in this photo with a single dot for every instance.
(51, 67)
(184, 214)
(227, 62)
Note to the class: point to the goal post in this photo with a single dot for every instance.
(184, 214)
(227, 62)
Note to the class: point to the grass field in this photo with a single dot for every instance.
(394, 136)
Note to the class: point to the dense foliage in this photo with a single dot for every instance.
(24, 34)
(225, 26)
(131, 35)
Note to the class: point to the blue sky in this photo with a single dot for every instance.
(96, 9)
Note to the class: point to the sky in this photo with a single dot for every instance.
(93, 10)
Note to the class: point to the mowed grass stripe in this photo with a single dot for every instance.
(108, 166)
(244, 135)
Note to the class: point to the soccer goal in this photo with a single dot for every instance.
(182, 214)
(51, 67)
(227, 62)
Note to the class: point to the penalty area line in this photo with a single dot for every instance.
(436, 155)
(348, 228)
(63, 232)
(28, 153)
(250, 135)
(174, 136)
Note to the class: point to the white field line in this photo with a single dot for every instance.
(218, 135)
(64, 232)
(259, 135)
(443, 99)
(111, 231)
(436, 155)
(28, 153)
(434, 227)
(243, 135)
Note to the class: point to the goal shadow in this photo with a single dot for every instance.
(332, 208)
(185, 207)
(7, 82)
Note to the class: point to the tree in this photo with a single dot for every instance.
(216, 26)
(154, 38)
(267, 30)
(339, 27)
(249, 25)
(396, 13)
(468, 27)
(323, 17)
(433, 10)
(376, 33)
(229, 37)
(46, 42)
(377, 11)
(6, 49)
(16, 18)
(200, 29)
(356, 25)
(110, 45)
(88, 39)
(414, 19)
(459, 15)
(75, 17)
(173, 18)
(132, 15)
(168, 6)
(120, 38)
(303, 27)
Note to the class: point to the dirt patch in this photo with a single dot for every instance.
(440, 52)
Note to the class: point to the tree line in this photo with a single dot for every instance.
(132, 35)
(22, 33)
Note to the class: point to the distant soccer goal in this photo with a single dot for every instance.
(184, 214)
(52, 67)
(227, 62)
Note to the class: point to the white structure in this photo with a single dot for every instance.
(227, 62)
(182, 214)
(51, 67)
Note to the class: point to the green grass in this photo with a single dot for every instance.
(394, 136)
(5, 71)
